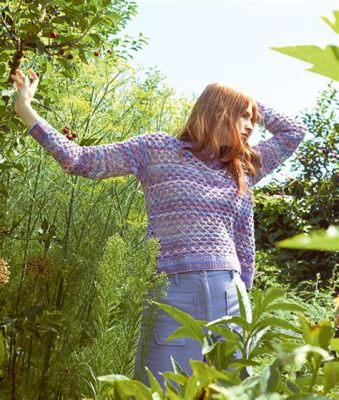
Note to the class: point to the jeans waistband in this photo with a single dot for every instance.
(206, 273)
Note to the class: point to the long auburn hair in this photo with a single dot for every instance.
(218, 109)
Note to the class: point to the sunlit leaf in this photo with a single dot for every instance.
(316, 240)
(325, 61)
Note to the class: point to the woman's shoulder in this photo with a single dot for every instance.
(160, 139)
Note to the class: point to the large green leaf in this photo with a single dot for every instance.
(192, 327)
(127, 388)
(325, 61)
(270, 295)
(316, 240)
(275, 321)
(286, 307)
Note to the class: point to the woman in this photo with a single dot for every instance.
(198, 189)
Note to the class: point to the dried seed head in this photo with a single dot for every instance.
(38, 267)
(4, 272)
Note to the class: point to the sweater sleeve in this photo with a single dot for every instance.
(94, 162)
(287, 135)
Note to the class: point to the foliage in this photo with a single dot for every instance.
(305, 202)
(123, 278)
(304, 362)
(67, 220)
(315, 240)
(55, 40)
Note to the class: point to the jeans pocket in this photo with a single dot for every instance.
(165, 324)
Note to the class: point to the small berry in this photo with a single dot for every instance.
(70, 56)
(109, 51)
(74, 135)
(53, 35)
(69, 137)
(65, 130)
(61, 51)
(97, 53)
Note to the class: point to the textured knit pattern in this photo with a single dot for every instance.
(192, 205)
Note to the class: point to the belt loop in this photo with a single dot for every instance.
(176, 278)
(233, 273)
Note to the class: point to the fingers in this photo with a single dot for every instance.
(33, 74)
(26, 81)
(23, 76)
(18, 83)
(35, 78)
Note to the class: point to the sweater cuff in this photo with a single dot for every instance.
(261, 109)
(40, 126)
(248, 279)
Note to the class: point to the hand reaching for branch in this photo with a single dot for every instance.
(25, 88)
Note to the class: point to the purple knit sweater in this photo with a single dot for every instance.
(192, 206)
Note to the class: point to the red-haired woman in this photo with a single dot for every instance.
(198, 190)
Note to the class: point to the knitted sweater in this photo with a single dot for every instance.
(192, 205)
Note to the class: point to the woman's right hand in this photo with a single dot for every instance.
(25, 89)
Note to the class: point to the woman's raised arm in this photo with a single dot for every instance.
(94, 162)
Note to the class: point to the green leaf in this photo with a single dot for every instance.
(127, 388)
(316, 240)
(270, 295)
(3, 189)
(181, 332)
(270, 377)
(225, 332)
(154, 384)
(310, 396)
(192, 327)
(299, 355)
(325, 61)
(208, 344)
(112, 378)
(257, 338)
(334, 25)
(319, 334)
(177, 368)
(331, 378)
(230, 319)
(306, 328)
(334, 343)
(286, 307)
(202, 376)
(275, 321)
(177, 378)
(241, 303)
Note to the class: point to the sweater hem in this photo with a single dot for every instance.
(198, 262)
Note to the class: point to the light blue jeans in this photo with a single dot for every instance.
(205, 295)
